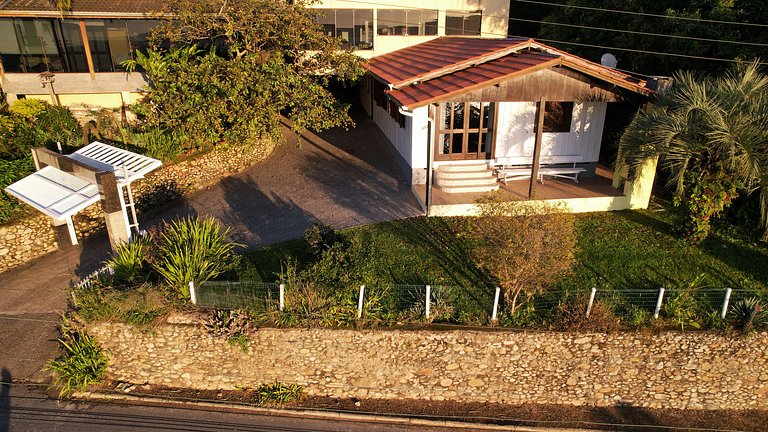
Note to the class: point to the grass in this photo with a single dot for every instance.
(627, 255)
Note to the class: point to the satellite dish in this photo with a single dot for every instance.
(608, 60)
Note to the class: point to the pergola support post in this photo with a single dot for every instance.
(114, 212)
(64, 231)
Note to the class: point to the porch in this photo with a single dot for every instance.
(589, 194)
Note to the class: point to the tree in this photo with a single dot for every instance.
(524, 246)
(712, 136)
(237, 66)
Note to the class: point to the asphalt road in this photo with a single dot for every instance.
(26, 409)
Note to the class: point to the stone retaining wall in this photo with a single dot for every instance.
(28, 238)
(671, 370)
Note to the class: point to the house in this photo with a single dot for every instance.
(84, 47)
(462, 115)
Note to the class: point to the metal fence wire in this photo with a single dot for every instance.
(448, 304)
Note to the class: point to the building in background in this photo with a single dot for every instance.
(85, 47)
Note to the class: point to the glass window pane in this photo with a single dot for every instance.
(446, 113)
(50, 45)
(487, 115)
(474, 115)
(457, 143)
(327, 18)
(139, 32)
(391, 21)
(73, 46)
(454, 25)
(119, 46)
(413, 20)
(9, 47)
(364, 28)
(99, 43)
(445, 140)
(430, 22)
(473, 142)
(472, 24)
(31, 46)
(458, 115)
(345, 23)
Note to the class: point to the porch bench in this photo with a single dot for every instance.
(552, 166)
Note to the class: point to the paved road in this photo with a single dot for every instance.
(339, 178)
(22, 409)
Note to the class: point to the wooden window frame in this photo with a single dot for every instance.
(483, 130)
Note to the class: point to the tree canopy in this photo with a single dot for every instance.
(237, 66)
(712, 136)
(581, 24)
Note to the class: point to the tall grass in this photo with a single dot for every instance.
(83, 362)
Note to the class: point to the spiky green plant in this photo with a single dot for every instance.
(129, 261)
(82, 364)
(193, 250)
(749, 314)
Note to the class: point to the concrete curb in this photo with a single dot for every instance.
(329, 415)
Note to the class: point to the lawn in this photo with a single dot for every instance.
(627, 254)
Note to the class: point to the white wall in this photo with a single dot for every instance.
(515, 137)
(410, 142)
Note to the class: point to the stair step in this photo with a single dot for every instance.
(463, 168)
(463, 174)
(452, 182)
(468, 189)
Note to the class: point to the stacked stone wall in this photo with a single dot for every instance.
(671, 370)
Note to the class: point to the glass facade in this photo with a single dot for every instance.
(56, 45)
(463, 23)
(406, 22)
(353, 26)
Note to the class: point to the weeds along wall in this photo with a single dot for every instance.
(669, 370)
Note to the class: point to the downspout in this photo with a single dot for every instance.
(428, 194)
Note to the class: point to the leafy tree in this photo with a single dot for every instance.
(237, 66)
(569, 24)
(523, 245)
(712, 136)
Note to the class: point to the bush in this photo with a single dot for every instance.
(320, 238)
(18, 134)
(158, 143)
(28, 108)
(749, 314)
(276, 394)
(82, 364)
(193, 250)
(139, 306)
(10, 172)
(524, 246)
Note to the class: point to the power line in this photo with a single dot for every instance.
(641, 51)
(640, 33)
(642, 13)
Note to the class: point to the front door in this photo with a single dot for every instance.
(464, 131)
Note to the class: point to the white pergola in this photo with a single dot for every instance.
(66, 184)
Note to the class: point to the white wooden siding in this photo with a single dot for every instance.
(515, 137)
(410, 141)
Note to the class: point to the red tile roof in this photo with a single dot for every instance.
(433, 70)
(86, 6)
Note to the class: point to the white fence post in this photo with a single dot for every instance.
(725, 303)
(496, 304)
(282, 297)
(192, 293)
(591, 300)
(360, 302)
(428, 299)
(658, 303)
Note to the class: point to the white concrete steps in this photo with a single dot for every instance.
(465, 178)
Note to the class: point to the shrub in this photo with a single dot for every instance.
(129, 262)
(83, 362)
(193, 250)
(320, 238)
(28, 108)
(139, 306)
(228, 323)
(275, 394)
(572, 316)
(524, 246)
(158, 143)
(10, 172)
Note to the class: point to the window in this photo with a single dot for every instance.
(381, 99)
(406, 22)
(353, 26)
(463, 23)
(464, 128)
(557, 117)
(37, 45)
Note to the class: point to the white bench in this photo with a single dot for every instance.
(519, 168)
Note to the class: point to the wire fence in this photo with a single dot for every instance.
(460, 305)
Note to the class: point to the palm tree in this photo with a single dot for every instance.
(711, 135)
